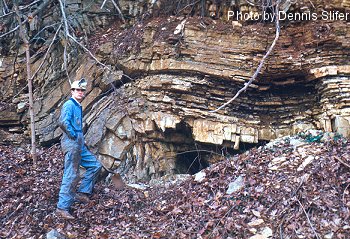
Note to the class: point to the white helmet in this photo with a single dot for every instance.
(80, 84)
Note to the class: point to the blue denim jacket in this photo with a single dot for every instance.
(71, 121)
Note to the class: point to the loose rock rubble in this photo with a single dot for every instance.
(295, 187)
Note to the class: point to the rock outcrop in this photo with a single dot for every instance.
(151, 114)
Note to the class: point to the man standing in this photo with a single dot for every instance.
(76, 154)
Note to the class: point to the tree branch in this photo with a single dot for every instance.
(103, 4)
(343, 198)
(118, 9)
(20, 8)
(43, 29)
(341, 161)
(69, 36)
(87, 51)
(308, 219)
(13, 30)
(47, 52)
(39, 9)
(66, 33)
(246, 85)
(116, 6)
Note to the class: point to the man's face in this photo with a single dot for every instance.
(78, 94)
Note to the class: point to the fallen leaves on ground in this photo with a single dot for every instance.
(288, 191)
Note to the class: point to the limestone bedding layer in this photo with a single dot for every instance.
(152, 112)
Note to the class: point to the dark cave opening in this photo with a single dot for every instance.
(192, 156)
(201, 155)
(190, 162)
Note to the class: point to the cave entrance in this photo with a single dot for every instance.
(200, 156)
(190, 162)
(191, 156)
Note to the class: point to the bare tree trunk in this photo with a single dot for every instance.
(31, 103)
(24, 37)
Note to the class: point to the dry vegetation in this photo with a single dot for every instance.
(296, 190)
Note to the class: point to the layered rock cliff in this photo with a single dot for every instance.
(150, 115)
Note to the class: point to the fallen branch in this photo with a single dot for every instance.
(217, 224)
(341, 161)
(12, 224)
(281, 232)
(308, 219)
(303, 179)
(343, 198)
(246, 85)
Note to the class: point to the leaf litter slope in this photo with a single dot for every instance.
(289, 191)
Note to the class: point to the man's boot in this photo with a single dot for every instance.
(64, 214)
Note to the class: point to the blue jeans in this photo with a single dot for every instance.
(76, 156)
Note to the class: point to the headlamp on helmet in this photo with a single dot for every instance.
(80, 84)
